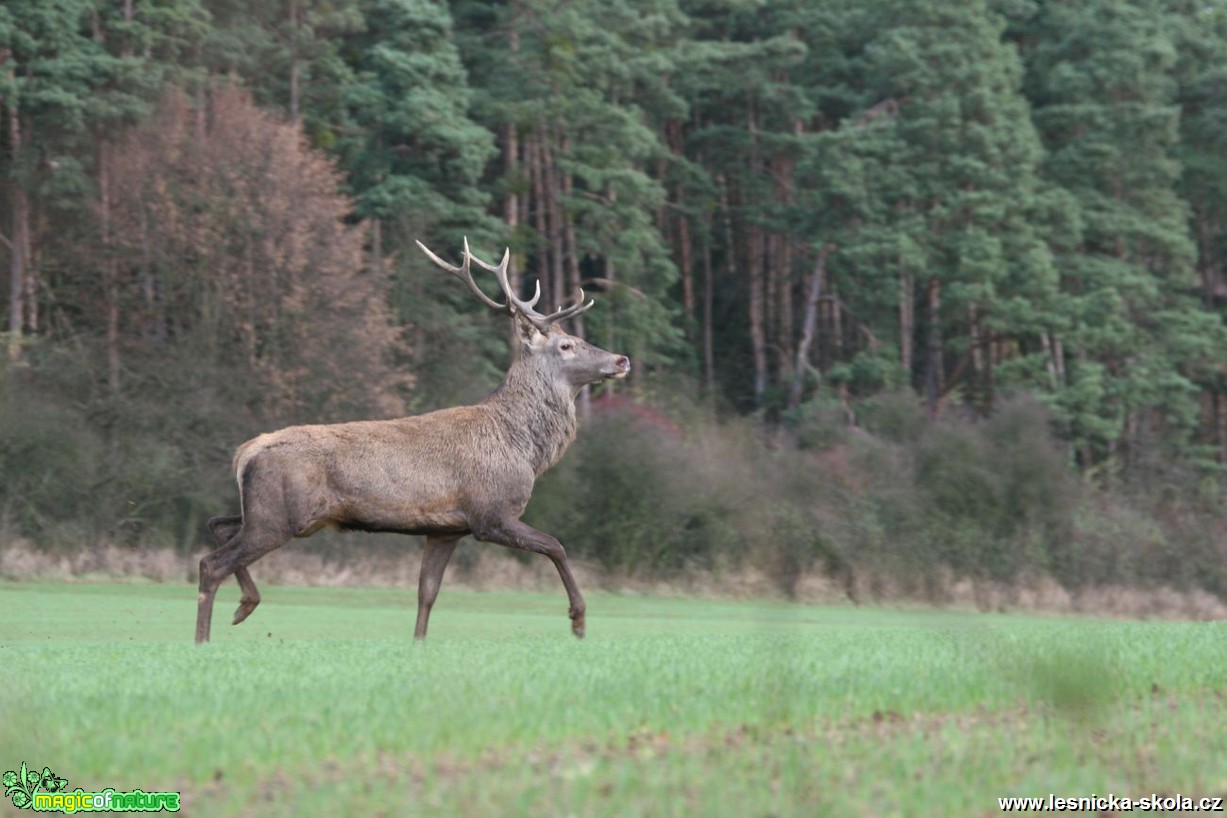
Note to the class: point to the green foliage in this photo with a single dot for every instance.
(728, 708)
(636, 498)
(894, 416)
(574, 82)
(931, 187)
(1001, 488)
(819, 424)
(1105, 102)
(898, 506)
(984, 200)
(411, 146)
(41, 441)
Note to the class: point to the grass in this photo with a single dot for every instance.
(321, 705)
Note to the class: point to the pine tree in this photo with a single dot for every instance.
(564, 85)
(1101, 79)
(50, 69)
(1200, 34)
(930, 192)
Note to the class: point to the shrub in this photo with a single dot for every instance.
(636, 498)
(49, 468)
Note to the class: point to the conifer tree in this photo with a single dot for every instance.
(930, 193)
(1101, 79)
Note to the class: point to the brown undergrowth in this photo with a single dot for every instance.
(483, 568)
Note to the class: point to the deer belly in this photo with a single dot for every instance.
(401, 496)
(412, 520)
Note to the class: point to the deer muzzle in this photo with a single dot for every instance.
(621, 367)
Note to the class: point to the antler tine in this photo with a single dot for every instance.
(527, 308)
(462, 272)
(500, 272)
(514, 304)
(563, 313)
(530, 303)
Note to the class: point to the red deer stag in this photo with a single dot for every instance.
(445, 474)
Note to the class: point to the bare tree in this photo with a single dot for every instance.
(232, 238)
(446, 474)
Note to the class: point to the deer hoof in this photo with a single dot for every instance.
(244, 610)
(577, 627)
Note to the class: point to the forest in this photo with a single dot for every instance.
(916, 291)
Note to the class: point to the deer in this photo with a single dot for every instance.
(465, 470)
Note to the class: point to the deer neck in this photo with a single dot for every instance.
(537, 414)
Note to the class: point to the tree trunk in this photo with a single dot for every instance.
(709, 357)
(511, 162)
(781, 252)
(784, 328)
(839, 330)
(756, 252)
(154, 323)
(556, 217)
(377, 246)
(1049, 359)
(535, 151)
(18, 242)
(572, 259)
(512, 205)
(730, 256)
(110, 278)
(933, 356)
(809, 324)
(294, 61)
(907, 321)
(1220, 426)
(981, 362)
(758, 338)
(771, 293)
(573, 282)
(685, 262)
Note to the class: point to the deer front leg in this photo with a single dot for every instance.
(516, 534)
(435, 556)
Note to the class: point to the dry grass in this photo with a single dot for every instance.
(482, 568)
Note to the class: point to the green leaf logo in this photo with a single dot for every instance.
(21, 785)
(52, 784)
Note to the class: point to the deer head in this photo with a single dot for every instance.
(556, 352)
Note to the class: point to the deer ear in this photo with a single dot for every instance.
(527, 331)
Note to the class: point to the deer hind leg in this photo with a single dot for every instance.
(251, 595)
(245, 545)
(435, 556)
(224, 529)
(515, 534)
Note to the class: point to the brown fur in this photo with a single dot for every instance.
(458, 471)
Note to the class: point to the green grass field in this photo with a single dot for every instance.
(321, 705)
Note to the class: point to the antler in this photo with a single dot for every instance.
(514, 305)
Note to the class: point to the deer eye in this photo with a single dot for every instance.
(566, 346)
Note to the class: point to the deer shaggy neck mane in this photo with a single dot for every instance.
(538, 413)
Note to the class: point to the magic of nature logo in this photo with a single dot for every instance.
(47, 792)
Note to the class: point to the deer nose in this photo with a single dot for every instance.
(623, 362)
